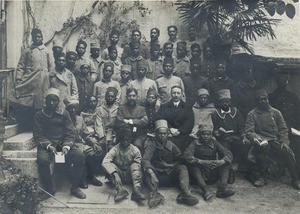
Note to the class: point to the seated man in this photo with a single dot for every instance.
(132, 115)
(205, 166)
(54, 132)
(87, 143)
(162, 165)
(180, 118)
(123, 164)
(105, 119)
(229, 127)
(266, 129)
(89, 114)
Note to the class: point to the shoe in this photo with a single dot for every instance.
(224, 191)
(296, 184)
(137, 194)
(83, 184)
(188, 199)
(207, 194)
(155, 199)
(75, 191)
(231, 177)
(94, 181)
(121, 194)
(260, 182)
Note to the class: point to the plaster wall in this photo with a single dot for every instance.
(51, 14)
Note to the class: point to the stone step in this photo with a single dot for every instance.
(20, 153)
(23, 141)
(11, 130)
(28, 166)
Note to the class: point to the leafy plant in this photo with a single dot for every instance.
(17, 190)
(231, 21)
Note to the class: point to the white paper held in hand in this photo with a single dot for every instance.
(60, 158)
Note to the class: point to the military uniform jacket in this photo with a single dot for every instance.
(66, 83)
(266, 125)
(85, 89)
(101, 87)
(181, 117)
(155, 153)
(202, 116)
(231, 120)
(105, 119)
(211, 151)
(117, 159)
(164, 85)
(56, 129)
(138, 116)
(192, 84)
(33, 69)
(142, 86)
(288, 103)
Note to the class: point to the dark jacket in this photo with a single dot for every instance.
(56, 129)
(181, 117)
(212, 151)
(156, 153)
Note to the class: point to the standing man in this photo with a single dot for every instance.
(83, 57)
(125, 82)
(192, 39)
(113, 39)
(142, 83)
(85, 86)
(202, 109)
(63, 79)
(162, 163)
(182, 61)
(57, 48)
(100, 87)
(54, 132)
(194, 82)
(172, 33)
(71, 58)
(154, 35)
(167, 81)
(154, 63)
(267, 130)
(95, 56)
(31, 78)
(180, 118)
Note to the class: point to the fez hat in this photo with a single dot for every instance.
(112, 89)
(151, 91)
(142, 64)
(205, 128)
(126, 68)
(160, 124)
(71, 101)
(203, 91)
(53, 91)
(106, 64)
(261, 92)
(57, 43)
(168, 60)
(223, 94)
(95, 45)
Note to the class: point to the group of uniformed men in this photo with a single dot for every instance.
(156, 114)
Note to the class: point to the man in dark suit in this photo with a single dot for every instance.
(180, 118)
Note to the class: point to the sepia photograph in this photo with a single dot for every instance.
(152, 106)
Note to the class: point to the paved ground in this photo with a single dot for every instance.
(276, 198)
